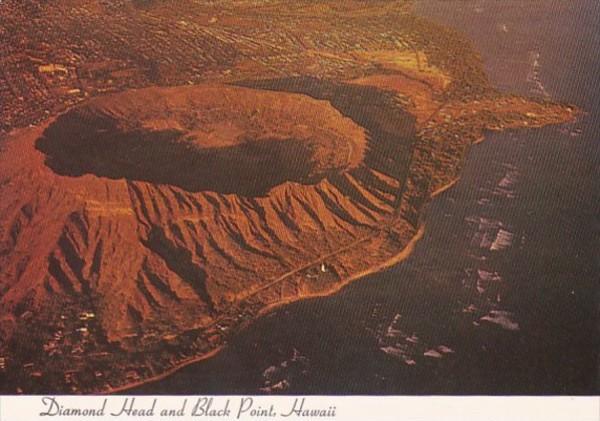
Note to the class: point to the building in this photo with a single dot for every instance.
(53, 68)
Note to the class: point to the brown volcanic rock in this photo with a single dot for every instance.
(97, 215)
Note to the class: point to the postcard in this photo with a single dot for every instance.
(312, 209)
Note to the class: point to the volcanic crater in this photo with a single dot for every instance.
(168, 210)
(205, 138)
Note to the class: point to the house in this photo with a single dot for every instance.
(86, 316)
(53, 68)
(132, 376)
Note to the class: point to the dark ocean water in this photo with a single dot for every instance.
(501, 295)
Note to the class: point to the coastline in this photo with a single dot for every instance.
(403, 254)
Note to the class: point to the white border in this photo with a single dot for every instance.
(347, 408)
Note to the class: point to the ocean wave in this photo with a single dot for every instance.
(533, 76)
